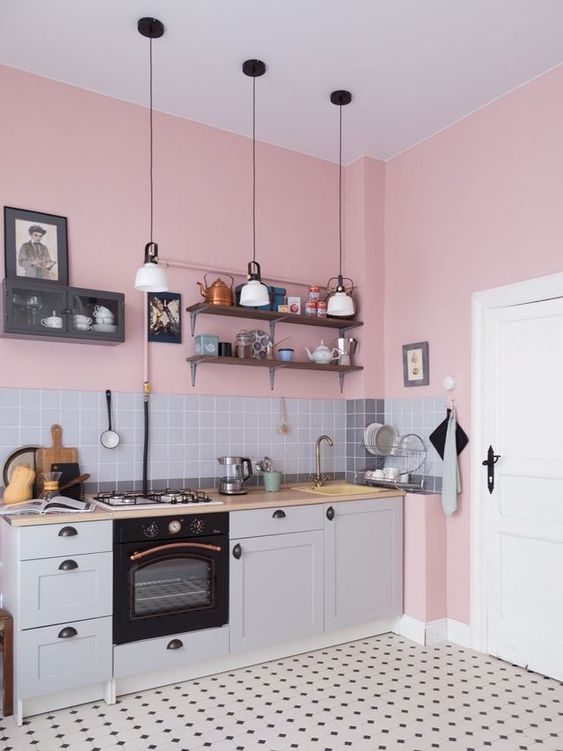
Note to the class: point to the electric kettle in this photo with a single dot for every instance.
(232, 483)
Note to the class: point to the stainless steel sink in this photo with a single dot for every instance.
(343, 488)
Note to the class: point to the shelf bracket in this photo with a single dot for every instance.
(272, 375)
(193, 368)
(193, 319)
(341, 379)
(272, 331)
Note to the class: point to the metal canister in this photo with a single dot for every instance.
(311, 308)
(321, 309)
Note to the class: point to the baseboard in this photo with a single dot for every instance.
(460, 633)
(434, 632)
(413, 629)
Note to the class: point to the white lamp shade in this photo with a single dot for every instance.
(151, 278)
(254, 294)
(340, 304)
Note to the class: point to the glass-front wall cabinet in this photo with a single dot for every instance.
(39, 309)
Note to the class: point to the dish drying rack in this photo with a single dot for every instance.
(409, 451)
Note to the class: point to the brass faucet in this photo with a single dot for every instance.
(318, 479)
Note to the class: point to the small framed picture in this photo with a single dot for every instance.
(165, 317)
(415, 364)
(35, 245)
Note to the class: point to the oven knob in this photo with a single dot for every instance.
(174, 527)
(197, 526)
(151, 530)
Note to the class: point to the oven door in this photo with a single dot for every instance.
(163, 587)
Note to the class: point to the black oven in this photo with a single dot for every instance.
(171, 574)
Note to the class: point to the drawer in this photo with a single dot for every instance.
(54, 590)
(63, 657)
(50, 540)
(159, 654)
(272, 521)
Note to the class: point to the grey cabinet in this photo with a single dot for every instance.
(276, 584)
(57, 584)
(363, 559)
(85, 316)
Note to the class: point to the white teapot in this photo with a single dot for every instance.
(322, 355)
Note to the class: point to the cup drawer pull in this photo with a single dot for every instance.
(66, 633)
(68, 532)
(68, 565)
(175, 644)
(279, 514)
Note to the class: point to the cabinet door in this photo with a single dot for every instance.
(34, 308)
(95, 315)
(363, 561)
(62, 657)
(276, 588)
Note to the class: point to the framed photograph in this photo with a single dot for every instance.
(165, 317)
(415, 364)
(35, 245)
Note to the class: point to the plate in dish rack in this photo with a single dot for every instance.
(369, 437)
(259, 341)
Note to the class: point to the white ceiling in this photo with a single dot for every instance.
(413, 66)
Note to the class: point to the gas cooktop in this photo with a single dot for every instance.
(122, 499)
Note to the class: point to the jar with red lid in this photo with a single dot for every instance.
(314, 293)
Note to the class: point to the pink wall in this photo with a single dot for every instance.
(425, 558)
(84, 156)
(476, 206)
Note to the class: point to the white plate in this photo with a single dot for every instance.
(369, 436)
(107, 328)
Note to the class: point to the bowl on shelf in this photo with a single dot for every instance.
(286, 354)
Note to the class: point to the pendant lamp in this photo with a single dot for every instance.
(340, 303)
(254, 293)
(151, 278)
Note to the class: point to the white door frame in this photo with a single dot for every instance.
(533, 290)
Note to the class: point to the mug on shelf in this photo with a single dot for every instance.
(52, 322)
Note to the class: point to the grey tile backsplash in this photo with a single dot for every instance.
(188, 433)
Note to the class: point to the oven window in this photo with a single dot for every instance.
(172, 585)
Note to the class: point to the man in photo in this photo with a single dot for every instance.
(34, 256)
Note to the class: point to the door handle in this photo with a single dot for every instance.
(66, 633)
(279, 514)
(68, 532)
(68, 565)
(237, 551)
(489, 463)
(175, 644)
(330, 513)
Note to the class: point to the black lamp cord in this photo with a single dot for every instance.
(150, 132)
(340, 198)
(254, 169)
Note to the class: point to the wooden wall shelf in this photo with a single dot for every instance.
(271, 365)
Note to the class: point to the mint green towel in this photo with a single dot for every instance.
(451, 481)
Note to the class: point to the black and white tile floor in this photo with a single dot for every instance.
(380, 694)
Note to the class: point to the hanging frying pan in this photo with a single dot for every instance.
(109, 438)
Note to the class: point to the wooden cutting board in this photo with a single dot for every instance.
(56, 454)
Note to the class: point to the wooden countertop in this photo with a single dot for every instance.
(255, 498)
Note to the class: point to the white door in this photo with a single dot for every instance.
(522, 418)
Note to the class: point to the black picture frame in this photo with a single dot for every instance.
(46, 260)
(164, 317)
(416, 365)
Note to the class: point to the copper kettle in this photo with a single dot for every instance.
(218, 293)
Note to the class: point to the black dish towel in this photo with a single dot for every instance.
(438, 437)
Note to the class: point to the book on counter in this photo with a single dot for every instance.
(57, 505)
